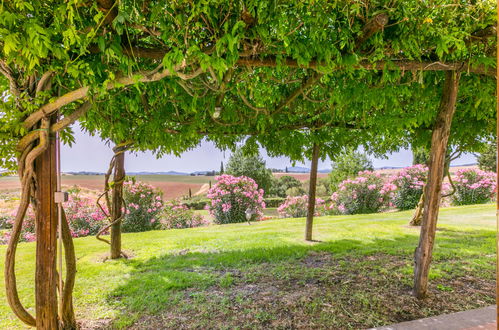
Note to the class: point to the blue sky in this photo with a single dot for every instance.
(91, 154)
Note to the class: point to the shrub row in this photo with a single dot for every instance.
(369, 192)
(197, 203)
(144, 210)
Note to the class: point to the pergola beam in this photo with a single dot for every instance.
(403, 65)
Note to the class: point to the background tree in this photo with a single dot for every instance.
(420, 155)
(347, 165)
(487, 159)
(252, 166)
(281, 185)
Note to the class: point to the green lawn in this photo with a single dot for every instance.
(264, 275)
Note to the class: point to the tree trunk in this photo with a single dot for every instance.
(67, 311)
(117, 198)
(433, 188)
(46, 239)
(418, 214)
(311, 192)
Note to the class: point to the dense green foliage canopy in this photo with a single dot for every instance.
(285, 73)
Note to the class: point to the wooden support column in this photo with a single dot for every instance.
(311, 192)
(433, 188)
(117, 201)
(46, 239)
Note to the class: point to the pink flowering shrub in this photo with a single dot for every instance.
(143, 206)
(231, 196)
(83, 216)
(473, 186)
(177, 215)
(367, 193)
(409, 182)
(297, 207)
(4, 237)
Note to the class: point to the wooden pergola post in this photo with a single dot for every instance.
(46, 239)
(311, 192)
(117, 201)
(433, 188)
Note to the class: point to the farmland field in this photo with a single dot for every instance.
(173, 186)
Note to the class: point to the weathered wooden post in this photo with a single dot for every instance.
(46, 238)
(433, 188)
(311, 192)
(117, 202)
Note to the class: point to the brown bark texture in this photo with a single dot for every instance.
(117, 198)
(46, 239)
(433, 188)
(311, 193)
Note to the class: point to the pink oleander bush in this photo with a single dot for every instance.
(4, 237)
(297, 207)
(409, 182)
(82, 214)
(144, 204)
(473, 186)
(176, 215)
(367, 193)
(231, 196)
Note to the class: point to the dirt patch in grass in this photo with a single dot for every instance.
(321, 291)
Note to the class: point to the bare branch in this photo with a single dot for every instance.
(63, 123)
(44, 80)
(251, 106)
(82, 92)
(395, 64)
(306, 85)
(7, 72)
(377, 23)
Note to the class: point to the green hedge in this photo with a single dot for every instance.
(200, 203)
(273, 201)
(197, 203)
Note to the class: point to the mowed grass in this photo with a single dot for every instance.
(358, 274)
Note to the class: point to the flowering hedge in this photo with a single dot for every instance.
(409, 182)
(144, 204)
(177, 215)
(83, 217)
(367, 193)
(473, 186)
(297, 207)
(231, 196)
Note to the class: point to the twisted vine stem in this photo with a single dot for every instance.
(119, 149)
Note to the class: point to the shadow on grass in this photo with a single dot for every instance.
(157, 283)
